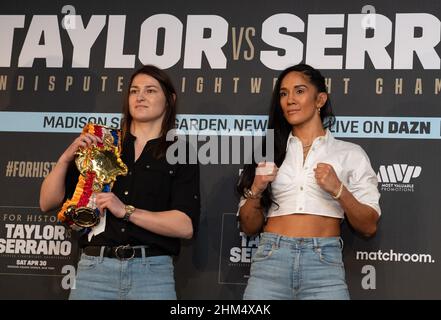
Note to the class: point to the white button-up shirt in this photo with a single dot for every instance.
(295, 189)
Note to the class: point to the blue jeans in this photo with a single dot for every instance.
(285, 268)
(144, 278)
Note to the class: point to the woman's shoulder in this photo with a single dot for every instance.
(350, 148)
(345, 144)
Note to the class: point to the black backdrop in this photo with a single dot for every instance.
(223, 58)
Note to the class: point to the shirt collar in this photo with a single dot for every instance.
(131, 138)
(327, 139)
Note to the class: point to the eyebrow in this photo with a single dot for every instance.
(147, 86)
(296, 86)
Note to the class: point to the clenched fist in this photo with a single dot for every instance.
(327, 178)
(266, 172)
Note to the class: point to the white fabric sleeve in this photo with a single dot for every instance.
(363, 182)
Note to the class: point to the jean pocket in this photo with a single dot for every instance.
(160, 264)
(330, 255)
(87, 263)
(263, 252)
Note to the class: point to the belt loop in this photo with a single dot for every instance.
(342, 244)
(315, 242)
(279, 237)
(144, 259)
(101, 258)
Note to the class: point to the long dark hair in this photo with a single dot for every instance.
(282, 128)
(168, 123)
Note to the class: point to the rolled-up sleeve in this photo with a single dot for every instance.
(363, 182)
(185, 192)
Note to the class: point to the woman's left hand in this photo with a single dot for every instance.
(108, 200)
(327, 178)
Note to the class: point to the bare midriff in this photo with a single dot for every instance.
(303, 226)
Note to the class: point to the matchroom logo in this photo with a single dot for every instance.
(398, 177)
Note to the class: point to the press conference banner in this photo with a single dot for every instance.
(64, 64)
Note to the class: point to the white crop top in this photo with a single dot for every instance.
(295, 189)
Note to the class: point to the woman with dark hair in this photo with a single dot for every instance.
(148, 210)
(300, 200)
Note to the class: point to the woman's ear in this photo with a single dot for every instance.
(322, 97)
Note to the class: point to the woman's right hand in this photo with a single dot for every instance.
(83, 141)
(266, 172)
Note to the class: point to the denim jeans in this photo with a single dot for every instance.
(285, 268)
(144, 278)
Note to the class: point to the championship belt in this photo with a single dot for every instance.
(99, 165)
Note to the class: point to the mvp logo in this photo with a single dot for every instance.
(398, 173)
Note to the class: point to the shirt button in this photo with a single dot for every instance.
(171, 172)
(300, 209)
(147, 166)
(195, 197)
(306, 168)
(130, 173)
(126, 192)
(123, 230)
(301, 188)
